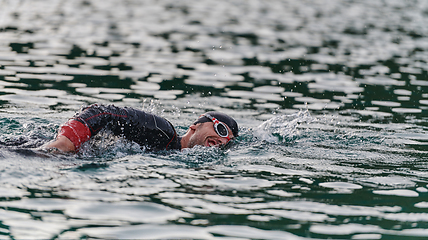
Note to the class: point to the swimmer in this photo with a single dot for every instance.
(149, 131)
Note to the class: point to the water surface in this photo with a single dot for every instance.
(331, 98)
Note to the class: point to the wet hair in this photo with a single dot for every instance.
(224, 118)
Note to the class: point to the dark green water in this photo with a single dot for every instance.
(331, 98)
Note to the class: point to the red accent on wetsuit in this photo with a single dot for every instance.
(77, 132)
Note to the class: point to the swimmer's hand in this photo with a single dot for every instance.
(62, 143)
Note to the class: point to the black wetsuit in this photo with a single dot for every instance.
(150, 131)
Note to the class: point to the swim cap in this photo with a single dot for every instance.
(230, 122)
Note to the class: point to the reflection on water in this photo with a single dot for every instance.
(331, 98)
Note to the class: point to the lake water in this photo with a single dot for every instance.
(331, 97)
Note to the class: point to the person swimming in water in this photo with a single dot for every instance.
(152, 132)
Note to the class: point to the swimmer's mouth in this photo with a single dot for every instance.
(212, 143)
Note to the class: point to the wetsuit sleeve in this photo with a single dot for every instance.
(148, 130)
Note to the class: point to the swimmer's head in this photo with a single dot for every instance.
(211, 129)
(222, 117)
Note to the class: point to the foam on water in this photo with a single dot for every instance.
(281, 128)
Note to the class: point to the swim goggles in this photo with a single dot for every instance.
(219, 127)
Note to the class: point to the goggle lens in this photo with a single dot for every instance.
(219, 127)
(221, 130)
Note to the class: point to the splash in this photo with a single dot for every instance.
(105, 145)
(282, 128)
(25, 135)
(199, 156)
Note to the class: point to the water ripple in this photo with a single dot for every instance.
(330, 97)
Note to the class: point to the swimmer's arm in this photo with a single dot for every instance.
(79, 129)
(61, 143)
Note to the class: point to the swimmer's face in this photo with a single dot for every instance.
(205, 135)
